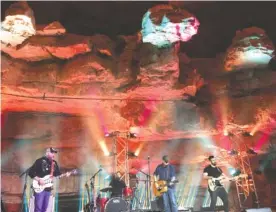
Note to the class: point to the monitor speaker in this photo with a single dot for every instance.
(157, 204)
(259, 210)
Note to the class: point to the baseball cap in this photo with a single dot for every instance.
(52, 150)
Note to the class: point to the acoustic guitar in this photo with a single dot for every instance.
(162, 187)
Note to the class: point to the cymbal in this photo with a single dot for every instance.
(106, 189)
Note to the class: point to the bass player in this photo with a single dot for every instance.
(43, 166)
(166, 172)
(214, 174)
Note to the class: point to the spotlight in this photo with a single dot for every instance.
(233, 152)
(235, 172)
(131, 154)
(247, 134)
(225, 132)
(251, 152)
(112, 134)
(112, 154)
(132, 135)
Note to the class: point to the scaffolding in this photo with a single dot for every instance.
(120, 154)
(245, 185)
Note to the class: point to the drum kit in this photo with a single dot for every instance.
(115, 204)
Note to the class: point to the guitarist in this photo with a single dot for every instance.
(210, 173)
(43, 166)
(166, 172)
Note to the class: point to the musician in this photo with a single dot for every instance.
(43, 166)
(211, 172)
(117, 185)
(166, 172)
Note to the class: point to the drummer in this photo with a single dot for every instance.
(117, 185)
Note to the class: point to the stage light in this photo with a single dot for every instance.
(135, 130)
(131, 154)
(235, 172)
(112, 154)
(251, 151)
(233, 152)
(247, 134)
(225, 132)
(132, 135)
(111, 134)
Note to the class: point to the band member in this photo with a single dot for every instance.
(166, 172)
(43, 166)
(117, 185)
(212, 172)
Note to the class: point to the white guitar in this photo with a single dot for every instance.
(49, 181)
(214, 183)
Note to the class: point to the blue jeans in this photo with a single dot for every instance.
(169, 201)
(41, 201)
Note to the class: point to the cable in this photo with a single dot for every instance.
(44, 97)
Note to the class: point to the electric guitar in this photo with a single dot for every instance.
(214, 183)
(49, 181)
(87, 207)
(162, 187)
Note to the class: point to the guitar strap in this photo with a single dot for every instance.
(52, 167)
(167, 173)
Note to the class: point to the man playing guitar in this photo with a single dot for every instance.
(214, 174)
(165, 172)
(42, 167)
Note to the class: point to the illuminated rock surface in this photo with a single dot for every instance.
(19, 24)
(251, 48)
(163, 25)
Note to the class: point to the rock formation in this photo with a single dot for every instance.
(251, 48)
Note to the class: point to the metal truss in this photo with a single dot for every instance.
(120, 154)
(245, 185)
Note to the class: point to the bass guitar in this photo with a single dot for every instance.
(49, 181)
(162, 187)
(215, 183)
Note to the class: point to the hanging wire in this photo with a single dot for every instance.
(44, 97)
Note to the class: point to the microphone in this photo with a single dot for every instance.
(96, 173)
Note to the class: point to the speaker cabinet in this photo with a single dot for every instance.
(157, 204)
(259, 210)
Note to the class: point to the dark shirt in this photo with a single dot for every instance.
(42, 167)
(212, 171)
(117, 186)
(165, 172)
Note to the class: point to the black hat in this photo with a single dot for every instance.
(52, 150)
(165, 158)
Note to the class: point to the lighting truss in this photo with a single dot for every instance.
(245, 186)
(120, 156)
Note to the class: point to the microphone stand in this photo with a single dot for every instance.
(92, 179)
(149, 184)
(26, 172)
